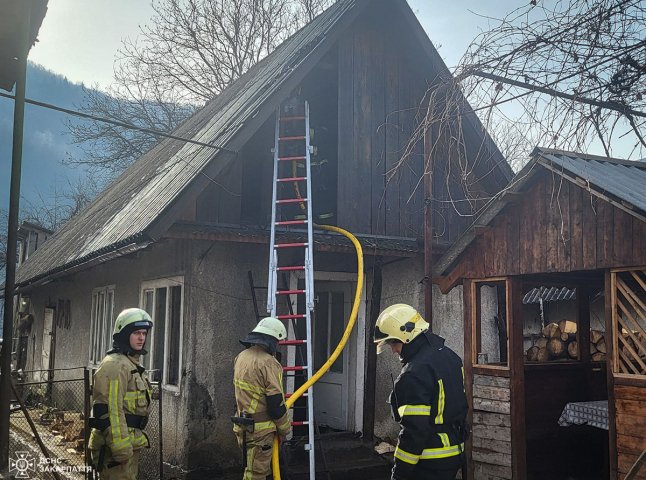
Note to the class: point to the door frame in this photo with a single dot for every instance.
(356, 343)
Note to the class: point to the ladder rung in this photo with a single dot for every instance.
(291, 200)
(290, 245)
(291, 222)
(291, 159)
(292, 342)
(299, 424)
(292, 179)
(290, 317)
(289, 139)
(290, 269)
(289, 292)
(297, 368)
(287, 395)
(293, 118)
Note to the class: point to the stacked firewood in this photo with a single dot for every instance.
(558, 342)
(597, 346)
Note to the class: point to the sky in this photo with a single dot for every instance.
(79, 38)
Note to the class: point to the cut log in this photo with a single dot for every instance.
(556, 347)
(573, 349)
(542, 342)
(595, 336)
(543, 355)
(532, 353)
(599, 357)
(567, 326)
(568, 337)
(601, 346)
(551, 330)
(593, 349)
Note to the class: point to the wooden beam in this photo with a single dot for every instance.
(610, 311)
(517, 376)
(468, 299)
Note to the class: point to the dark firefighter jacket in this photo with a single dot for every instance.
(121, 397)
(430, 404)
(258, 384)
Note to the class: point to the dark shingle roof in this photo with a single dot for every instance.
(128, 214)
(122, 213)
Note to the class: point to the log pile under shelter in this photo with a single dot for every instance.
(558, 341)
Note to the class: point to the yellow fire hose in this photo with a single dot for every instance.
(339, 348)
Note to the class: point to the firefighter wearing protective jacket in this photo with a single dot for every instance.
(121, 400)
(258, 384)
(428, 398)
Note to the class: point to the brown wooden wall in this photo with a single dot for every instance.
(377, 82)
(491, 434)
(383, 75)
(631, 427)
(555, 226)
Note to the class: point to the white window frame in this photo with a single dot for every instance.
(101, 328)
(177, 281)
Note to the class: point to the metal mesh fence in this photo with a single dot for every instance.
(48, 426)
(149, 460)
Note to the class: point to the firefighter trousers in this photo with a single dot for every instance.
(259, 448)
(123, 471)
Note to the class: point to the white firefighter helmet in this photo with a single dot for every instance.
(271, 326)
(134, 318)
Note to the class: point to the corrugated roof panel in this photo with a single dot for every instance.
(624, 180)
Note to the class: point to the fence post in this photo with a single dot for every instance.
(160, 433)
(86, 420)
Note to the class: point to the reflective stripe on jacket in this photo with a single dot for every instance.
(257, 375)
(120, 383)
(430, 404)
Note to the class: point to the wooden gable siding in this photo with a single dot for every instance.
(556, 226)
(380, 91)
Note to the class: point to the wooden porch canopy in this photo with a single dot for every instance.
(579, 218)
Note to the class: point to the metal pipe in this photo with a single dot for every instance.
(12, 233)
(428, 229)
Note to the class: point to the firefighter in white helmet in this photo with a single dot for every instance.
(121, 400)
(428, 398)
(260, 400)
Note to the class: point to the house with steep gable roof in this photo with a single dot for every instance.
(183, 230)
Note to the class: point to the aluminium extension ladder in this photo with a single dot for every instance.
(292, 147)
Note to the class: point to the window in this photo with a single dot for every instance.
(163, 300)
(490, 326)
(101, 323)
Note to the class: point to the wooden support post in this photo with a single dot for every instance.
(468, 294)
(609, 299)
(517, 374)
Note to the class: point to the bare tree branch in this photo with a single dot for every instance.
(189, 53)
